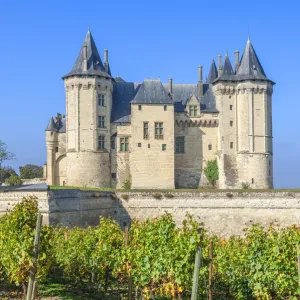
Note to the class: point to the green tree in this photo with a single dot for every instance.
(211, 171)
(5, 154)
(14, 180)
(31, 171)
(5, 173)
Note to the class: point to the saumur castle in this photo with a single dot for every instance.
(160, 135)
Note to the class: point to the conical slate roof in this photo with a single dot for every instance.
(94, 63)
(250, 67)
(152, 91)
(227, 72)
(51, 125)
(213, 73)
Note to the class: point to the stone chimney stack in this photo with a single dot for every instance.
(84, 63)
(106, 59)
(219, 65)
(200, 81)
(170, 87)
(237, 59)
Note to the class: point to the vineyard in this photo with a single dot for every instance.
(157, 257)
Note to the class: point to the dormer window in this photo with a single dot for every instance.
(193, 110)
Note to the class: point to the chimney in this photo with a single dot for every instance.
(219, 65)
(170, 87)
(200, 81)
(84, 63)
(106, 59)
(237, 59)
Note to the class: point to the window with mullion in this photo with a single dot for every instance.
(193, 110)
(101, 100)
(179, 144)
(146, 130)
(101, 142)
(159, 130)
(101, 121)
(124, 144)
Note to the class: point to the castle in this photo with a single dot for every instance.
(159, 136)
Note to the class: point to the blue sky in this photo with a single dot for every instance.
(40, 41)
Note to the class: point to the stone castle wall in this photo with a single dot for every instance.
(223, 213)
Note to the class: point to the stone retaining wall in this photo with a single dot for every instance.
(223, 213)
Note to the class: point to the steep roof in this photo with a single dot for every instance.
(153, 92)
(213, 73)
(51, 125)
(250, 67)
(94, 64)
(227, 72)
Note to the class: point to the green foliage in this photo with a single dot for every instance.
(211, 171)
(160, 256)
(4, 153)
(157, 196)
(246, 186)
(127, 184)
(31, 171)
(14, 180)
(16, 242)
(5, 173)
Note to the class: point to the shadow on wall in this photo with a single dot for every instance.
(72, 207)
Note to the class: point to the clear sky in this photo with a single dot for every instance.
(40, 41)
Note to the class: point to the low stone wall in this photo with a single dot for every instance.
(223, 213)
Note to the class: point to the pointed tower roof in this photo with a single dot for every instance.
(94, 64)
(213, 72)
(51, 125)
(227, 72)
(250, 67)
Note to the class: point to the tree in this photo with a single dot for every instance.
(31, 171)
(14, 180)
(4, 154)
(5, 173)
(211, 171)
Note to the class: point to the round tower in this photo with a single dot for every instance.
(51, 144)
(244, 99)
(89, 88)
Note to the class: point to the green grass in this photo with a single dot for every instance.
(207, 190)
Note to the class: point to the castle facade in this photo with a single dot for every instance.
(160, 136)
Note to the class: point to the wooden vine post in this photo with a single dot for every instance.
(298, 256)
(129, 276)
(32, 285)
(210, 279)
(198, 259)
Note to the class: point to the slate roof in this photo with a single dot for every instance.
(152, 91)
(213, 73)
(250, 68)
(94, 64)
(57, 124)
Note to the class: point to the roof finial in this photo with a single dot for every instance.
(89, 29)
(226, 52)
(248, 34)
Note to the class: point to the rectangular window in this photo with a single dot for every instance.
(159, 130)
(164, 147)
(165, 107)
(230, 107)
(101, 142)
(231, 123)
(101, 122)
(140, 107)
(124, 144)
(179, 144)
(146, 130)
(148, 145)
(113, 175)
(140, 145)
(113, 143)
(56, 149)
(101, 100)
(193, 110)
(252, 180)
(209, 147)
(231, 145)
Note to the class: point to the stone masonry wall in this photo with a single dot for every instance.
(223, 213)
